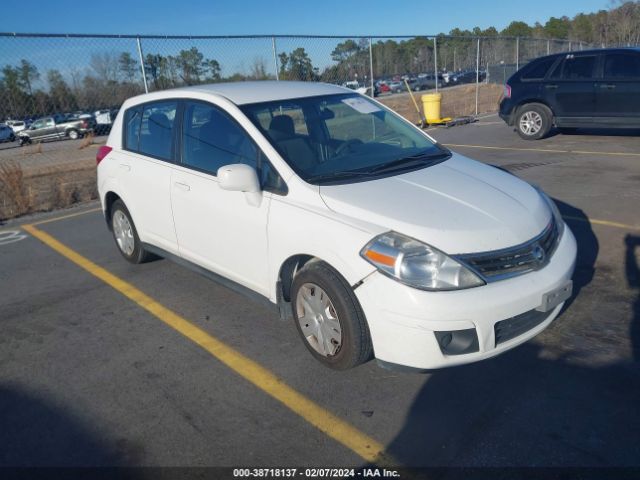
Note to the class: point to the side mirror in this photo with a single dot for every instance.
(239, 177)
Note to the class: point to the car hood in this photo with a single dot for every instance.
(458, 206)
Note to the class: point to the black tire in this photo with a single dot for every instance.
(73, 134)
(139, 254)
(355, 347)
(538, 111)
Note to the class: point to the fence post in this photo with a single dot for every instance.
(435, 61)
(275, 57)
(477, 73)
(371, 66)
(517, 53)
(548, 51)
(570, 47)
(144, 73)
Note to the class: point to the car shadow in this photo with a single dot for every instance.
(587, 243)
(37, 431)
(532, 406)
(597, 132)
(632, 270)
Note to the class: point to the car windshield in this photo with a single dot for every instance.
(342, 138)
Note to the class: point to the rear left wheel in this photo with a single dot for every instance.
(73, 134)
(533, 121)
(126, 236)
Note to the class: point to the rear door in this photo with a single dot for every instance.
(618, 92)
(571, 89)
(144, 170)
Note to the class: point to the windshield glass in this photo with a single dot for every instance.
(342, 138)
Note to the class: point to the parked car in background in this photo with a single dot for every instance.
(6, 133)
(397, 86)
(47, 128)
(590, 88)
(104, 119)
(16, 125)
(466, 76)
(376, 239)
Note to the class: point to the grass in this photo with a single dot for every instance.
(14, 189)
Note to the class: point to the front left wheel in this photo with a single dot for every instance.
(126, 236)
(329, 318)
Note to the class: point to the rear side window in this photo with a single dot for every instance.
(538, 70)
(578, 68)
(622, 65)
(211, 139)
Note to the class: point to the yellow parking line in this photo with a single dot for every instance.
(361, 444)
(547, 150)
(603, 222)
(71, 215)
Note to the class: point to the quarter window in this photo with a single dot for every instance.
(210, 139)
(538, 69)
(622, 65)
(132, 129)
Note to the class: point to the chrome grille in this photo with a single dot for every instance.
(509, 262)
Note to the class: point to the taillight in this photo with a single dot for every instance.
(85, 124)
(103, 151)
(507, 90)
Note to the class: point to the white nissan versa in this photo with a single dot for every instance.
(379, 241)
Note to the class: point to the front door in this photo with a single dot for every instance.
(218, 229)
(618, 92)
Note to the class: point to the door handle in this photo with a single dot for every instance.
(182, 186)
(551, 86)
(607, 86)
(125, 167)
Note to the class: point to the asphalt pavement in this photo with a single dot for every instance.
(89, 376)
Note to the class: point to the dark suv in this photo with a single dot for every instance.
(594, 88)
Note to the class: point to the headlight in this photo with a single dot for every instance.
(554, 211)
(417, 264)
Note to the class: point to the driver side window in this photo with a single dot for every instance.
(211, 139)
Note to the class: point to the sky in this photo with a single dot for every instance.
(312, 17)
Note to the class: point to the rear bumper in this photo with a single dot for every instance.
(506, 111)
(403, 320)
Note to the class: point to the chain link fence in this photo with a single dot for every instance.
(78, 75)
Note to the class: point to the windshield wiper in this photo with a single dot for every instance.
(337, 175)
(419, 158)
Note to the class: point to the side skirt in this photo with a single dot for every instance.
(219, 279)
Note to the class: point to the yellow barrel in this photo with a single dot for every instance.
(431, 106)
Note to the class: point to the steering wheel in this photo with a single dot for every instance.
(353, 141)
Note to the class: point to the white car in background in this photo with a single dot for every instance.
(376, 239)
(16, 125)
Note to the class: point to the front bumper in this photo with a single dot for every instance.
(402, 320)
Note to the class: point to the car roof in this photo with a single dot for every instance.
(242, 93)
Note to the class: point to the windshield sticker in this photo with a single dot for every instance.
(361, 105)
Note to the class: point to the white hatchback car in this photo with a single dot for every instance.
(375, 238)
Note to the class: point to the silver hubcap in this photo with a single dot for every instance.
(318, 320)
(123, 232)
(530, 123)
